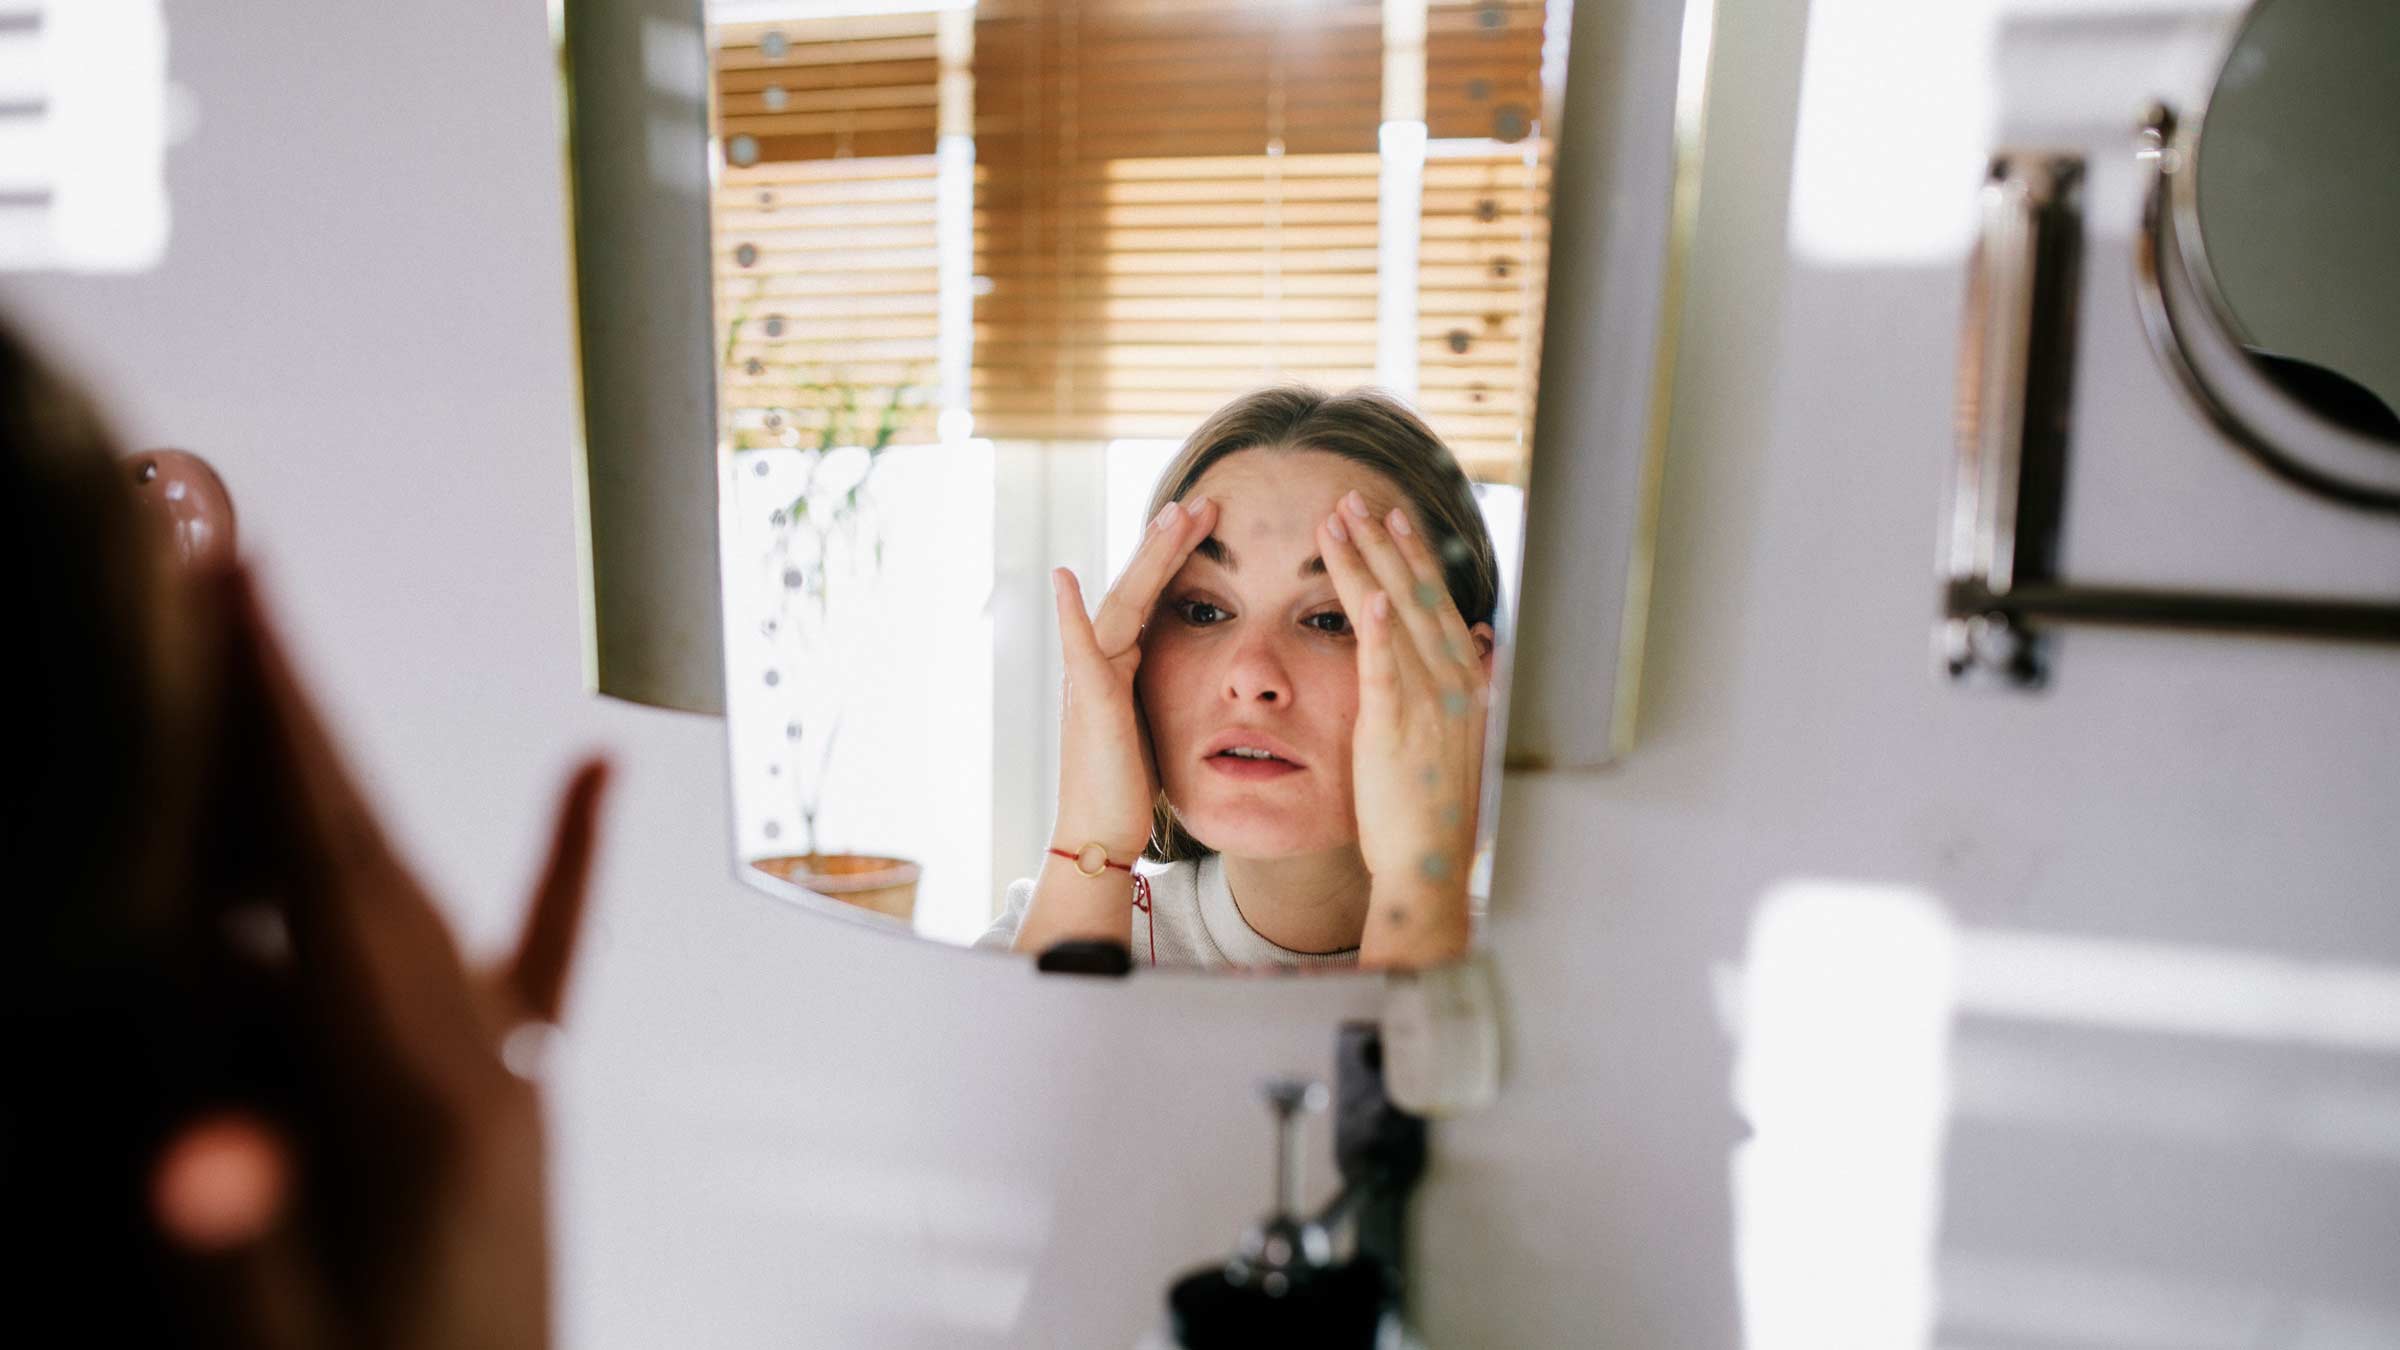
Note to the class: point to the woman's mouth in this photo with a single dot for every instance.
(1250, 763)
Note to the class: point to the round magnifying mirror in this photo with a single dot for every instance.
(2297, 182)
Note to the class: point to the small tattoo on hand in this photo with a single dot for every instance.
(1452, 816)
(1454, 702)
(1431, 777)
(1435, 866)
(1396, 918)
(1429, 595)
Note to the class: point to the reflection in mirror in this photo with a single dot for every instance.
(1022, 306)
(2299, 206)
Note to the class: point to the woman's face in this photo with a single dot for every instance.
(1249, 650)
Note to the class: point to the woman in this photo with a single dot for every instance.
(1280, 704)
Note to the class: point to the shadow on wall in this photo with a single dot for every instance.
(2241, 1114)
(2149, 1145)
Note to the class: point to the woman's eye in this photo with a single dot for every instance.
(1199, 613)
(1332, 622)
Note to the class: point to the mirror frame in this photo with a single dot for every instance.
(1624, 205)
(634, 73)
(2191, 325)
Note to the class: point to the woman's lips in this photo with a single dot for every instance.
(1250, 770)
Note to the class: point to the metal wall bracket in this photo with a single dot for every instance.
(2001, 582)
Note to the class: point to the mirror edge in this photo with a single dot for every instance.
(635, 72)
(1654, 55)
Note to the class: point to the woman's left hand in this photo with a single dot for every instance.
(1417, 750)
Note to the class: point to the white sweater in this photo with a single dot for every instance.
(1183, 915)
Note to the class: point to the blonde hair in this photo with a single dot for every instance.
(1367, 427)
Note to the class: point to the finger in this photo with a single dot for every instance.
(1417, 601)
(337, 832)
(1458, 640)
(1378, 673)
(1075, 638)
(1352, 582)
(1357, 585)
(537, 974)
(369, 948)
(1168, 543)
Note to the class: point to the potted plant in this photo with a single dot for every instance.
(827, 554)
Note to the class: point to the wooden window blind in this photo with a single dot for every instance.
(1481, 276)
(1175, 202)
(827, 266)
(1483, 68)
(855, 88)
(1485, 229)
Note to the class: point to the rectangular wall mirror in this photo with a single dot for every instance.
(1183, 357)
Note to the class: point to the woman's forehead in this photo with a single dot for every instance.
(1268, 495)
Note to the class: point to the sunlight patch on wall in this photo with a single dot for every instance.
(1896, 111)
(1847, 998)
(2182, 990)
(84, 128)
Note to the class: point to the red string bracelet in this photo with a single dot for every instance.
(1091, 861)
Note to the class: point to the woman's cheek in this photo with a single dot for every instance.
(1156, 683)
(1337, 679)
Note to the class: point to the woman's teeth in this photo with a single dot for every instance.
(1245, 752)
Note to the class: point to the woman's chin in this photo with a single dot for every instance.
(1262, 829)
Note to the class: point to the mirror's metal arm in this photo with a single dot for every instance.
(2016, 369)
(2160, 245)
(2000, 574)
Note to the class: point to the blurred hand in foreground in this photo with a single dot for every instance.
(395, 1197)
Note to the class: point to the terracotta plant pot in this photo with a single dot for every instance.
(884, 885)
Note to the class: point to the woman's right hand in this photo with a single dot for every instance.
(1106, 780)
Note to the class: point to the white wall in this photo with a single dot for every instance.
(777, 1130)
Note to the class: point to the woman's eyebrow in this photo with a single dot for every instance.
(1214, 549)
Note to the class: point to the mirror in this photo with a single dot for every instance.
(1000, 288)
(2299, 206)
(2276, 210)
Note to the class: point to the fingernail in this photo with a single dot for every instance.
(1333, 526)
(1355, 505)
(1195, 506)
(1166, 514)
(1400, 525)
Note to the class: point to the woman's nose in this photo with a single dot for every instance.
(1257, 674)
